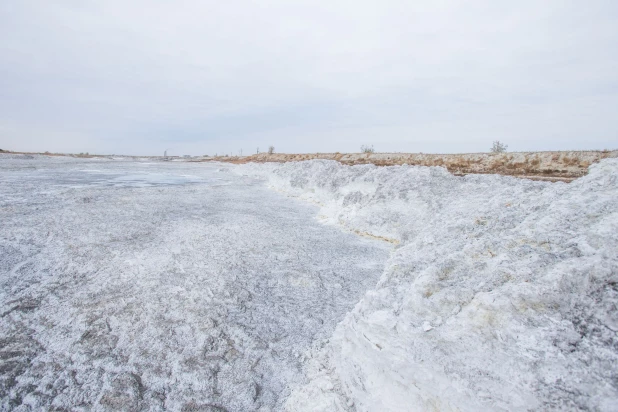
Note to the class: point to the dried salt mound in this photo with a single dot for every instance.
(502, 294)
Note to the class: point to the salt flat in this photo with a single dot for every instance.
(129, 285)
(149, 285)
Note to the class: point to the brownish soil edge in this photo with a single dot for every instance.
(555, 166)
(563, 166)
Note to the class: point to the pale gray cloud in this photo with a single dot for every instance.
(207, 76)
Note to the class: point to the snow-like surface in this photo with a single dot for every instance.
(502, 293)
(163, 286)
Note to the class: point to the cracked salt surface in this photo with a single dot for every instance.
(163, 286)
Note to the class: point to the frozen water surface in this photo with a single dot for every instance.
(163, 286)
(134, 174)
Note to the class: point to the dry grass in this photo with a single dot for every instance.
(552, 166)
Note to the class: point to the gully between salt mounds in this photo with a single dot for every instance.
(163, 286)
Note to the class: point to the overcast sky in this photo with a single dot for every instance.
(205, 77)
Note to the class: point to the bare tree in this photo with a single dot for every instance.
(367, 149)
(498, 147)
(271, 149)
